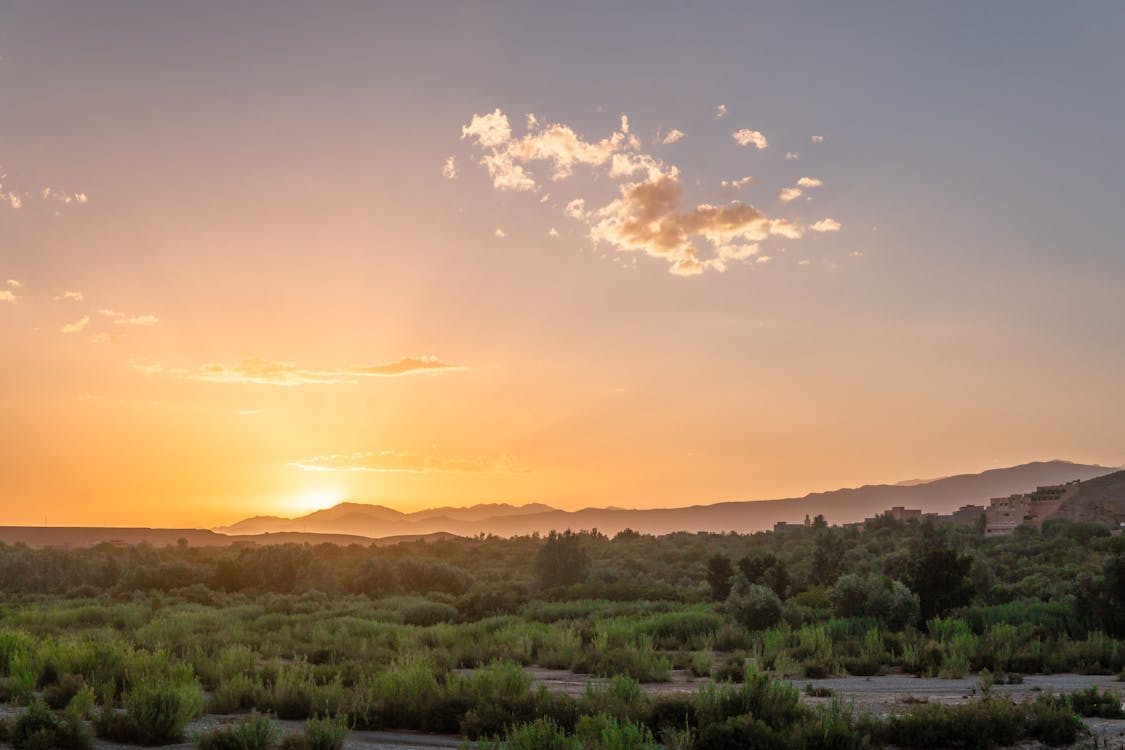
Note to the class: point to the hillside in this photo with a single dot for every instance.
(90, 536)
(1100, 500)
(838, 506)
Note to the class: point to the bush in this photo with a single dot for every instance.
(39, 729)
(256, 733)
(156, 713)
(753, 606)
(1092, 702)
(318, 734)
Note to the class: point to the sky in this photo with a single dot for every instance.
(258, 258)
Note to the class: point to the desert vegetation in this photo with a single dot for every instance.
(134, 643)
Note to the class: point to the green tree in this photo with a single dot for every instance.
(938, 574)
(562, 561)
(719, 572)
(828, 556)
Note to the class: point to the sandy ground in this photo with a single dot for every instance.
(880, 695)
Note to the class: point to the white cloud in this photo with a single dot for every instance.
(826, 225)
(491, 130)
(672, 137)
(818, 139)
(809, 182)
(741, 182)
(792, 155)
(721, 110)
(449, 169)
(624, 123)
(72, 296)
(746, 137)
(7, 296)
(789, 194)
(76, 326)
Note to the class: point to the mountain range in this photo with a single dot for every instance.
(837, 506)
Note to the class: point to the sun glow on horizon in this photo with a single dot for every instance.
(311, 500)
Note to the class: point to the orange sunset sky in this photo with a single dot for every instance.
(263, 258)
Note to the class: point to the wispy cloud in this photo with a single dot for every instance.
(395, 461)
(59, 196)
(721, 110)
(13, 283)
(449, 169)
(741, 182)
(267, 372)
(789, 194)
(818, 139)
(106, 338)
(826, 225)
(672, 137)
(792, 155)
(76, 326)
(809, 182)
(747, 137)
(71, 296)
(8, 296)
(121, 319)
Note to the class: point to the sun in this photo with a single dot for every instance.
(311, 500)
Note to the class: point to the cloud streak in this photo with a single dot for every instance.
(395, 461)
(266, 372)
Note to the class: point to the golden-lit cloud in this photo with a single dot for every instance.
(672, 137)
(721, 110)
(71, 296)
(395, 461)
(58, 196)
(499, 233)
(76, 326)
(826, 225)
(449, 169)
(747, 137)
(120, 318)
(818, 139)
(8, 296)
(792, 155)
(266, 372)
(13, 283)
(650, 214)
(650, 217)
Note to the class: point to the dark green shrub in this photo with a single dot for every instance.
(429, 613)
(739, 733)
(753, 606)
(58, 694)
(39, 729)
(318, 734)
(156, 713)
(1092, 702)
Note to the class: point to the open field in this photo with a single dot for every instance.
(791, 638)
